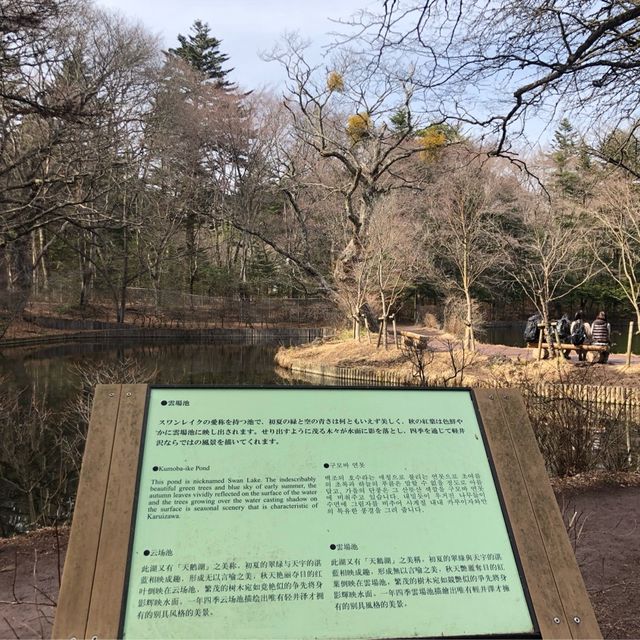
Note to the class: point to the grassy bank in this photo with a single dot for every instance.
(446, 363)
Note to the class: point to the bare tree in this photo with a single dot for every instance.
(244, 171)
(28, 56)
(512, 59)
(360, 124)
(28, 455)
(550, 260)
(201, 135)
(616, 239)
(395, 253)
(64, 155)
(85, 59)
(470, 232)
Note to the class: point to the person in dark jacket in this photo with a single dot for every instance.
(564, 332)
(578, 321)
(601, 334)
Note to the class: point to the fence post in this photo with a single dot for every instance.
(540, 344)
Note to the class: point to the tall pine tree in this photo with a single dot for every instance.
(572, 163)
(202, 51)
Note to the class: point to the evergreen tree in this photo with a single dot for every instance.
(572, 162)
(202, 51)
(400, 120)
(564, 150)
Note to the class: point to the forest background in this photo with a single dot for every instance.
(392, 171)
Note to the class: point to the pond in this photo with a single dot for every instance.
(45, 400)
(45, 395)
(54, 370)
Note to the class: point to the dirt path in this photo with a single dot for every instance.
(606, 538)
(523, 353)
(30, 570)
(605, 531)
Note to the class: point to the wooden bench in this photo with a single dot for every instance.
(412, 339)
(595, 352)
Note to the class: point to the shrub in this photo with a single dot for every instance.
(574, 437)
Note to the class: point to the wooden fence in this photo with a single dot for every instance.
(622, 402)
(176, 308)
(240, 335)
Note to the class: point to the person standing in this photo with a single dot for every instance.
(601, 335)
(580, 333)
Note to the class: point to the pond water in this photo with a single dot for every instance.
(44, 400)
(54, 370)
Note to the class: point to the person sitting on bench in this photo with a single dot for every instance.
(580, 333)
(601, 335)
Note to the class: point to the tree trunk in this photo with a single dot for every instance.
(469, 335)
(43, 261)
(216, 236)
(372, 320)
(5, 269)
(383, 306)
(17, 285)
(244, 258)
(155, 280)
(547, 329)
(34, 263)
(23, 264)
(85, 258)
(192, 258)
(31, 502)
(122, 302)
(345, 277)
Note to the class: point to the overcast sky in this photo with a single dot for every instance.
(245, 27)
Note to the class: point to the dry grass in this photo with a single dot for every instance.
(596, 480)
(338, 352)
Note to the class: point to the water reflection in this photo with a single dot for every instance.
(44, 404)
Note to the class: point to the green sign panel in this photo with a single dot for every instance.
(297, 513)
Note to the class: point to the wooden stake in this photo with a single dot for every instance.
(629, 343)
(540, 337)
(555, 331)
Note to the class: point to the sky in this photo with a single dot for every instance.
(248, 28)
(245, 27)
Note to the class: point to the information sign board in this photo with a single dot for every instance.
(319, 513)
(282, 513)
